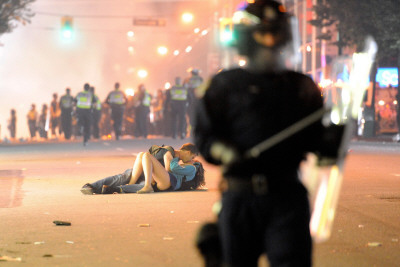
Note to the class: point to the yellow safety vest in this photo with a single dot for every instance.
(84, 100)
(116, 97)
(179, 93)
(146, 99)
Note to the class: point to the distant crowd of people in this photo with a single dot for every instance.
(169, 112)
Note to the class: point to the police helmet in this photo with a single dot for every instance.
(269, 19)
(195, 71)
(86, 86)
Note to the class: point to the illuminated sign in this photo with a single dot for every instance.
(387, 76)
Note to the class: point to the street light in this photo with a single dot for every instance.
(130, 36)
(131, 50)
(142, 73)
(187, 17)
(162, 50)
(66, 27)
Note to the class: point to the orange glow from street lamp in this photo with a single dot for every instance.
(187, 17)
(142, 73)
(162, 50)
(242, 62)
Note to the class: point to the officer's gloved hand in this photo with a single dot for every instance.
(224, 153)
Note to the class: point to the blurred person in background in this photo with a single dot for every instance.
(55, 113)
(192, 83)
(178, 97)
(12, 124)
(66, 105)
(117, 101)
(142, 111)
(96, 114)
(32, 121)
(43, 124)
(105, 121)
(157, 106)
(84, 102)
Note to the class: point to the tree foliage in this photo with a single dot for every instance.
(355, 19)
(13, 12)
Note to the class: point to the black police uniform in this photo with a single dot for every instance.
(117, 101)
(266, 207)
(66, 105)
(179, 100)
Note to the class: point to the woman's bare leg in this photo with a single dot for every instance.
(152, 168)
(137, 169)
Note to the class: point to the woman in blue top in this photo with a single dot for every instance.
(155, 173)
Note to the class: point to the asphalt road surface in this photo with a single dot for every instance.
(39, 183)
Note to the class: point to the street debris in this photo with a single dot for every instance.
(7, 258)
(192, 221)
(23, 242)
(168, 238)
(374, 244)
(172, 211)
(62, 223)
(144, 225)
(38, 243)
(69, 242)
(360, 226)
(47, 256)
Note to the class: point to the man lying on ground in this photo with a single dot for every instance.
(160, 169)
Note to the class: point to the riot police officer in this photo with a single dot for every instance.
(66, 105)
(265, 207)
(96, 114)
(178, 102)
(117, 101)
(84, 101)
(142, 111)
(192, 83)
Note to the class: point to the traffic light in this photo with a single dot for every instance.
(226, 31)
(66, 27)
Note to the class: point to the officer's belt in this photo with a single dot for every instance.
(261, 184)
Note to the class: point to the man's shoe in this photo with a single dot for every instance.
(87, 189)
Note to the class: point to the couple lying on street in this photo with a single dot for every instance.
(159, 169)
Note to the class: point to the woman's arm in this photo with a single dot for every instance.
(167, 161)
(188, 170)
